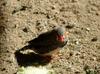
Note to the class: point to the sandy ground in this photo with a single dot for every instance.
(23, 20)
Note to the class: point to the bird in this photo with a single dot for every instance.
(49, 43)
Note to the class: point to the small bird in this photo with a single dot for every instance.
(49, 43)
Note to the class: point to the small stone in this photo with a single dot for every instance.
(3, 69)
(25, 30)
(53, 7)
(38, 23)
(70, 26)
(94, 39)
(97, 14)
(77, 42)
(48, 16)
(77, 32)
(74, 0)
(4, 4)
(23, 8)
(77, 72)
(71, 53)
(63, 22)
(88, 29)
(14, 11)
(35, 12)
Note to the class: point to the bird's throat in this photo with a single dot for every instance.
(61, 38)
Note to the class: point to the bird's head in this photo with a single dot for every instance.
(61, 34)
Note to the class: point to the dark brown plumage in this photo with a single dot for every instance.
(50, 42)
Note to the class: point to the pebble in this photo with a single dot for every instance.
(94, 39)
(74, 0)
(70, 26)
(88, 29)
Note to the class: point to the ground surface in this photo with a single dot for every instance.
(23, 20)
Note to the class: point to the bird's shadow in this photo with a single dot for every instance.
(31, 58)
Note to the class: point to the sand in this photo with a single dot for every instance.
(23, 20)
